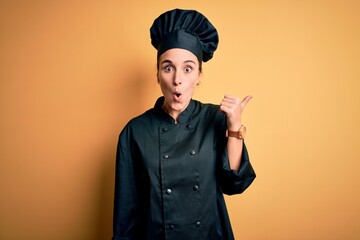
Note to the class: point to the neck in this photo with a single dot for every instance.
(174, 114)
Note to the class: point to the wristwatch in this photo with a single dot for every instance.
(240, 134)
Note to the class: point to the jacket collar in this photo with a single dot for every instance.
(184, 117)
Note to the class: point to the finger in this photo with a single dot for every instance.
(226, 109)
(227, 103)
(229, 98)
(245, 101)
(232, 101)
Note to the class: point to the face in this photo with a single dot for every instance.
(178, 76)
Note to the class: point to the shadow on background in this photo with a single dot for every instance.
(130, 102)
(105, 194)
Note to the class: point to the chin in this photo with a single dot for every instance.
(178, 106)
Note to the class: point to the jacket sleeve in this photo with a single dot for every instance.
(232, 181)
(125, 216)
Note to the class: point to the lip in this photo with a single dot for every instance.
(177, 95)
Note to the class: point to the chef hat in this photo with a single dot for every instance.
(186, 29)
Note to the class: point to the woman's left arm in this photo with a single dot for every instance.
(233, 107)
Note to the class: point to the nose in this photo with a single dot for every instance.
(177, 78)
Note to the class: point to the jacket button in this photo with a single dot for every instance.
(164, 129)
(171, 227)
(168, 191)
(166, 156)
(198, 223)
(192, 152)
(195, 187)
(189, 126)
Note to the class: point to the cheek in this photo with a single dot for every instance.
(162, 80)
(192, 85)
(195, 80)
(164, 85)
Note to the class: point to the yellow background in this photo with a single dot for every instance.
(72, 73)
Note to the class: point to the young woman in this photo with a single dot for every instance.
(176, 160)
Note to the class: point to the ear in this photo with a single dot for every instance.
(157, 77)
(200, 78)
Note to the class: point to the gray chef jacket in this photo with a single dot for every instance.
(170, 178)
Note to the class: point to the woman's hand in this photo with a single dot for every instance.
(233, 107)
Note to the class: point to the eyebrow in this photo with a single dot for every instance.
(169, 61)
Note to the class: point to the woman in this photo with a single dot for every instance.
(175, 161)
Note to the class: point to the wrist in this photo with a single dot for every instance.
(239, 133)
(235, 128)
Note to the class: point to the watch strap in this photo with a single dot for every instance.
(237, 134)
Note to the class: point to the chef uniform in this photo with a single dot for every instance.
(171, 176)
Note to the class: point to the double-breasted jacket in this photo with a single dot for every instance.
(170, 177)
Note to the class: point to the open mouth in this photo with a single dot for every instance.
(177, 94)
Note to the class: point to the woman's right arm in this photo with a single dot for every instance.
(125, 218)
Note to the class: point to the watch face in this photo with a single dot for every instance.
(242, 131)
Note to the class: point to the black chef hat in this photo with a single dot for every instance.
(186, 29)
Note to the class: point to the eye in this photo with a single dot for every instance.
(188, 69)
(168, 68)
